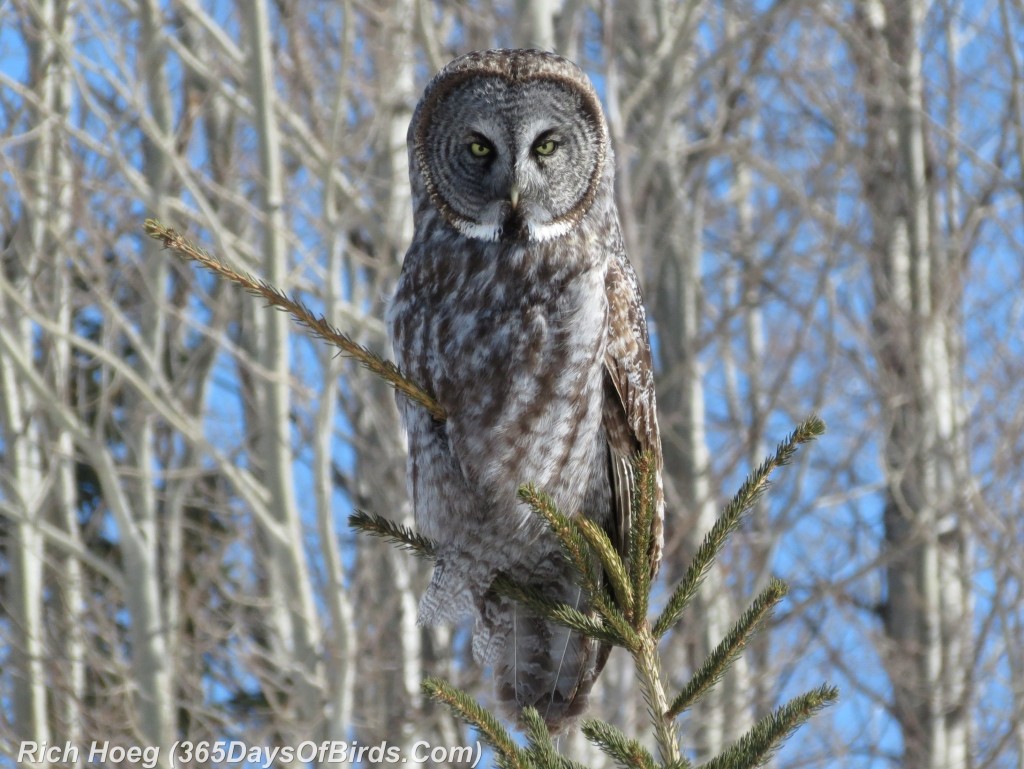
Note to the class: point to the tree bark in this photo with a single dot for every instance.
(917, 294)
(293, 611)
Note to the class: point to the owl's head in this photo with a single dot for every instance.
(510, 144)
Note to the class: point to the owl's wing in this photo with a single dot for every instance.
(630, 412)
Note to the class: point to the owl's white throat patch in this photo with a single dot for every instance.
(491, 232)
(549, 231)
(487, 232)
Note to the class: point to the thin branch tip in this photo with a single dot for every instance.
(317, 325)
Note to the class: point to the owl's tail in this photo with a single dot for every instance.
(538, 662)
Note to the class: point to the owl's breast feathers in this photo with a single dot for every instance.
(536, 352)
(510, 339)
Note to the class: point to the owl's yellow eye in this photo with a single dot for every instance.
(545, 148)
(479, 149)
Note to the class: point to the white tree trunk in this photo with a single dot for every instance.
(686, 451)
(928, 610)
(340, 652)
(535, 24)
(292, 606)
(151, 658)
(70, 618)
(24, 438)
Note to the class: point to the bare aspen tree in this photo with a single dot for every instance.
(24, 437)
(294, 621)
(388, 577)
(152, 659)
(340, 659)
(536, 24)
(917, 279)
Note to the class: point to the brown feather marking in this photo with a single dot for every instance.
(630, 410)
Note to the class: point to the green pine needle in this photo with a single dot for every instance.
(541, 748)
(758, 745)
(397, 534)
(626, 751)
(614, 568)
(510, 755)
(317, 325)
(564, 614)
(579, 554)
(721, 658)
(642, 514)
(748, 495)
(568, 534)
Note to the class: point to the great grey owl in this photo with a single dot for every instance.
(517, 309)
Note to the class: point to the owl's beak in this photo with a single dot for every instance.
(513, 196)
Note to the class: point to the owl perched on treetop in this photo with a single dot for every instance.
(518, 310)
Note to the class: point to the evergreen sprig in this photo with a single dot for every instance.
(750, 492)
(562, 613)
(540, 746)
(565, 529)
(611, 562)
(758, 745)
(619, 620)
(473, 713)
(582, 558)
(317, 325)
(398, 535)
(641, 534)
(624, 750)
(710, 672)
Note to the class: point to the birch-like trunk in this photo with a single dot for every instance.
(918, 336)
(151, 658)
(69, 614)
(26, 479)
(535, 24)
(398, 585)
(340, 651)
(292, 610)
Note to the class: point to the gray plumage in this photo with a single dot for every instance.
(517, 309)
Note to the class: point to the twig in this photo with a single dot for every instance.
(317, 324)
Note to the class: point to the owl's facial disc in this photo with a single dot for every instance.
(512, 161)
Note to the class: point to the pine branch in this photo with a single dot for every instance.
(568, 535)
(648, 667)
(624, 750)
(398, 535)
(540, 746)
(639, 546)
(713, 668)
(578, 552)
(317, 325)
(750, 492)
(564, 614)
(611, 561)
(469, 710)
(758, 745)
